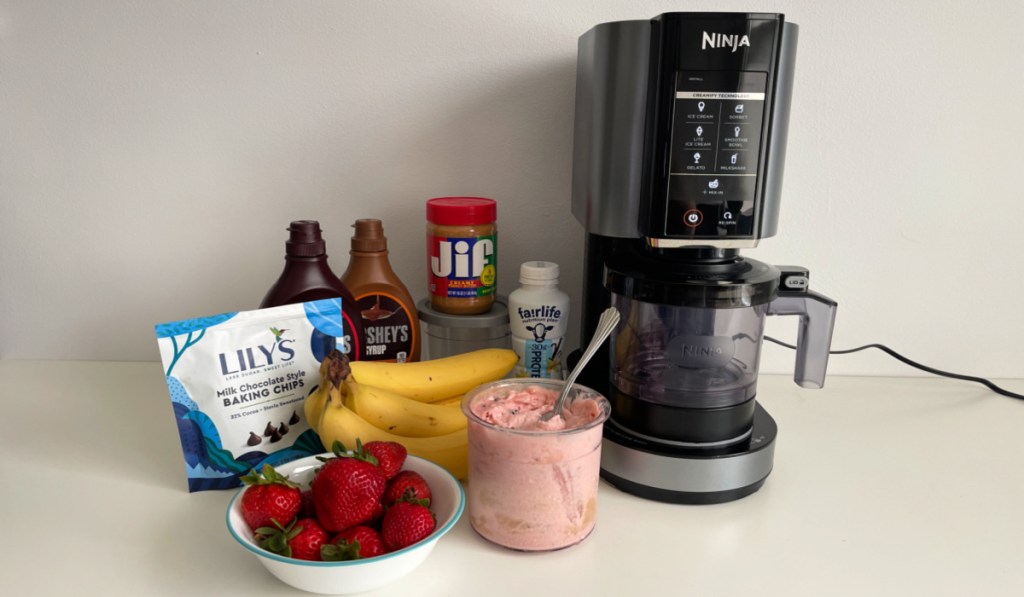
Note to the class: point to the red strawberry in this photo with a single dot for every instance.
(347, 490)
(307, 510)
(378, 514)
(406, 523)
(408, 485)
(301, 539)
(354, 543)
(270, 496)
(390, 456)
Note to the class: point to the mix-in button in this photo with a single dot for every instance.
(690, 191)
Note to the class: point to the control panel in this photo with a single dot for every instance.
(680, 128)
(715, 148)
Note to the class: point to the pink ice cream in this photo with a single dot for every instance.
(522, 409)
(532, 484)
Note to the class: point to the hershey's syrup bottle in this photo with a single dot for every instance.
(390, 322)
(308, 277)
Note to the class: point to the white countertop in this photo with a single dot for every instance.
(881, 486)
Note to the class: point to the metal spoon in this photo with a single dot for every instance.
(605, 325)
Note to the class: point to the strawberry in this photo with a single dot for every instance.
(390, 456)
(307, 510)
(378, 514)
(301, 539)
(269, 497)
(405, 523)
(408, 485)
(353, 543)
(347, 489)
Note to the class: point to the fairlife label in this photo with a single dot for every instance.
(537, 314)
(538, 359)
(537, 334)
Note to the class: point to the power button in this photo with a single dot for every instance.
(693, 218)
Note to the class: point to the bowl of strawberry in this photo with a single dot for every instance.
(347, 521)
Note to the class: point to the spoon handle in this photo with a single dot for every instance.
(609, 319)
(605, 325)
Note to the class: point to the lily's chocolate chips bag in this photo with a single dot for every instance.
(238, 382)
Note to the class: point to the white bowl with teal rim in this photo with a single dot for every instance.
(355, 576)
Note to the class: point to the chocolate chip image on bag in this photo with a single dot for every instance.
(237, 383)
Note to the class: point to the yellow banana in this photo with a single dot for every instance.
(436, 379)
(333, 368)
(455, 401)
(339, 423)
(400, 415)
(313, 407)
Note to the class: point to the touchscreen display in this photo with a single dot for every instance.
(716, 141)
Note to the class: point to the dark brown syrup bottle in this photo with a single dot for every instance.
(308, 277)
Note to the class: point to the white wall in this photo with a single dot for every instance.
(152, 154)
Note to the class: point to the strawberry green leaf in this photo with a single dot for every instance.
(340, 552)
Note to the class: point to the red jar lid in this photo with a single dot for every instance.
(461, 211)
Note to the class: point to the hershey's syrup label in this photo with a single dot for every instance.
(388, 329)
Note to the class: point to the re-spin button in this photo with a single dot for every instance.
(729, 212)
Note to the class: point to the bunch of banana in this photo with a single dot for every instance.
(400, 415)
(313, 407)
(414, 404)
(454, 401)
(436, 379)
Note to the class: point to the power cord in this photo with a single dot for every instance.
(898, 356)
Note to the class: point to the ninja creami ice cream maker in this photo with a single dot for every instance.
(679, 147)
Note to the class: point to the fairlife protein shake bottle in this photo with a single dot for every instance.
(538, 315)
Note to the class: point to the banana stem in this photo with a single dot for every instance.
(337, 367)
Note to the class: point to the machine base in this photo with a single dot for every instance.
(680, 497)
(669, 472)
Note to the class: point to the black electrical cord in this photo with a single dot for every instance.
(898, 356)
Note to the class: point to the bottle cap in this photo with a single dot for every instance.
(461, 211)
(305, 239)
(538, 272)
(369, 236)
